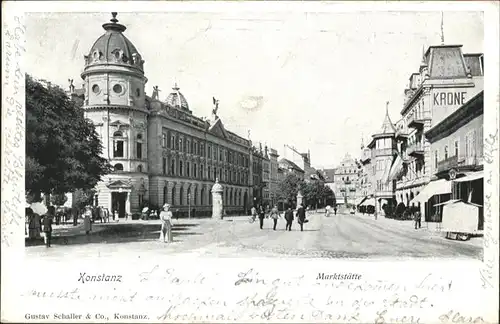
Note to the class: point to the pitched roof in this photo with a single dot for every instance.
(290, 164)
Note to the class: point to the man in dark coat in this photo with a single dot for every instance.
(47, 225)
(261, 216)
(418, 219)
(301, 217)
(289, 219)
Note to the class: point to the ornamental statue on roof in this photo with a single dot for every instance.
(216, 107)
(156, 91)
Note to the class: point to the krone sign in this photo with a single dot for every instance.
(449, 98)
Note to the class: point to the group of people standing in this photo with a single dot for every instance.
(274, 214)
(37, 224)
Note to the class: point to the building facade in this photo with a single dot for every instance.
(445, 81)
(346, 182)
(273, 176)
(160, 152)
(457, 151)
(384, 151)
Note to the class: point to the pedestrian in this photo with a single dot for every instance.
(301, 217)
(262, 214)
(275, 215)
(253, 211)
(47, 225)
(34, 224)
(289, 219)
(335, 210)
(166, 225)
(87, 222)
(418, 219)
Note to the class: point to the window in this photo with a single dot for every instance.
(181, 144)
(209, 173)
(188, 146)
(118, 134)
(117, 88)
(172, 167)
(141, 199)
(456, 148)
(118, 167)
(181, 169)
(195, 173)
(446, 152)
(177, 143)
(172, 142)
(139, 150)
(164, 166)
(188, 169)
(95, 88)
(139, 168)
(163, 140)
(202, 173)
(118, 148)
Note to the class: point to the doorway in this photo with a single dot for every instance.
(118, 201)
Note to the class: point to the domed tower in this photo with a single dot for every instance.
(115, 101)
(177, 100)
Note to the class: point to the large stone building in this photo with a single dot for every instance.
(446, 80)
(160, 151)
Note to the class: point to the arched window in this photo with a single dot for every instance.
(181, 196)
(118, 145)
(139, 168)
(172, 167)
(181, 169)
(139, 146)
(188, 169)
(118, 167)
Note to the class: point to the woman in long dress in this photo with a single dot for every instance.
(87, 224)
(166, 224)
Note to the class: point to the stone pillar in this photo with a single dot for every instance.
(127, 205)
(217, 202)
(299, 198)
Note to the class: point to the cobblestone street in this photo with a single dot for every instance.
(341, 236)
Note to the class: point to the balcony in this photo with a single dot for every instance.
(402, 135)
(385, 152)
(417, 120)
(460, 162)
(416, 150)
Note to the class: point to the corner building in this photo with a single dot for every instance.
(160, 152)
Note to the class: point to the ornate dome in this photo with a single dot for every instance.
(177, 100)
(114, 48)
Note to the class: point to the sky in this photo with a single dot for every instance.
(314, 80)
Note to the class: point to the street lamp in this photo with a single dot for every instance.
(189, 205)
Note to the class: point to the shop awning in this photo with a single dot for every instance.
(360, 200)
(471, 177)
(368, 202)
(438, 187)
(447, 202)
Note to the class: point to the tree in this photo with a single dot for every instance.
(316, 193)
(58, 199)
(62, 147)
(288, 188)
(83, 197)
